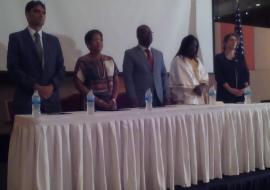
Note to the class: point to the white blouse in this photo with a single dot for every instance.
(182, 81)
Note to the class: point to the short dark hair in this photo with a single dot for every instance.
(227, 37)
(183, 50)
(141, 28)
(31, 4)
(90, 34)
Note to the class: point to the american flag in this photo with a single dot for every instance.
(238, 31)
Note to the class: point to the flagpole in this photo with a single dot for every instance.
(237, 4)
(238, 30)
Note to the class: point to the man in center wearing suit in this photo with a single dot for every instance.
(144, 68)
(35, 62)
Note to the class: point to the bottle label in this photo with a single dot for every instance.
(36, 101)
(148, 99)
(212, 94)
(90, 99)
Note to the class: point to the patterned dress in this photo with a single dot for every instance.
(96, 75)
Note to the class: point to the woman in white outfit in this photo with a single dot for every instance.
(188, 77)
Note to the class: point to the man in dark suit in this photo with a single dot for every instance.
(35, 63)
(144, 68)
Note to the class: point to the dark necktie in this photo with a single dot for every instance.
(39, 47)
(150, 59)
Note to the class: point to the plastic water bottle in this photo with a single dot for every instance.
(90, 102)
(148, 100)
(212, 95)
(36, 104)
(247, 94)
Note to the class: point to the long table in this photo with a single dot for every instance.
(138, 150)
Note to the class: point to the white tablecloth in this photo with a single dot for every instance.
(138, 150)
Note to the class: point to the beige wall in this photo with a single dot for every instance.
(218, 38)
(260, 85)
(260, 77)
(262, 48)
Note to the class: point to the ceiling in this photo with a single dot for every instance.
(254, 12)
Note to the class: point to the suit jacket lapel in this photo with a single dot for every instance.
(45, 49)
(154, 58)
(142, 56)
(29, 41)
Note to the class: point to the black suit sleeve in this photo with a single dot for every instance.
(14, 67)
(219, 74)
(60, 69)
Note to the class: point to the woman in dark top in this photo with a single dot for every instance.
(231, 72)
(97, 72)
